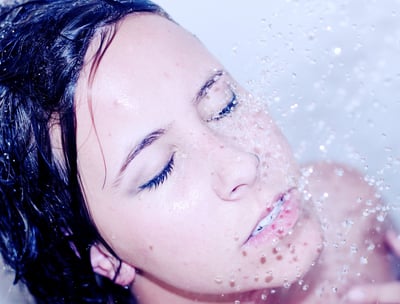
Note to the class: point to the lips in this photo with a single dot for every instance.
(279, 218)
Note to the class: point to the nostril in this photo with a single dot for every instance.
(237, 192)
(235, 173)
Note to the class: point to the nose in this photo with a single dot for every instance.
(235, 172)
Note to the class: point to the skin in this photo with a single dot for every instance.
(187, 239)
(385, 293)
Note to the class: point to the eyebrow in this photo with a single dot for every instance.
(207, 85)
(144, 143)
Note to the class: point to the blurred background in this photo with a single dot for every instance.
(329, 71)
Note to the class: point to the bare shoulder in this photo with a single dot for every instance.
(352, 220)
(341, 190)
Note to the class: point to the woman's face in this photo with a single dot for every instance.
(186, 175)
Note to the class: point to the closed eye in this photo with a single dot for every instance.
(228, 109)
(161, 177)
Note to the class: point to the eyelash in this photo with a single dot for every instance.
(161, 177)
(229, 108)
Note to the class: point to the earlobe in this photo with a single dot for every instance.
(107, 265)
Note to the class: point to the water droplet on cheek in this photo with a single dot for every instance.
(232, 283)
(263, 259)
(276, 250)
(218, 280)
(268, 279)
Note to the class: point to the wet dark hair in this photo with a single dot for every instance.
(45, 227)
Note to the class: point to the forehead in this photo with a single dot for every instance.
(147, 51)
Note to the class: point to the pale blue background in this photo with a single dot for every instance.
(329, 70)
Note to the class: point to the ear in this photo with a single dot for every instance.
(106, 265)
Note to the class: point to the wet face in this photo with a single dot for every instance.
(186, 175)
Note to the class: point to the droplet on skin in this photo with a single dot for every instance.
(363, 260)
(380, 217)
(279, 257)
(218, 280)
(263, 259)
(339, 172)
(232, 283)
(353, 248)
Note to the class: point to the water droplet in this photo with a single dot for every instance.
(218, 280)
(380, 217)
(363, 260)
(264, 297)
(337, 51)
(347, 223)
(268, 278)
(371, 247)
(365, 212)
(305, 287)
(339, 171)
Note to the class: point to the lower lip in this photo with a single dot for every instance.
(283, 223)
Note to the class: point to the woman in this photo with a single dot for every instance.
(131, 158)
